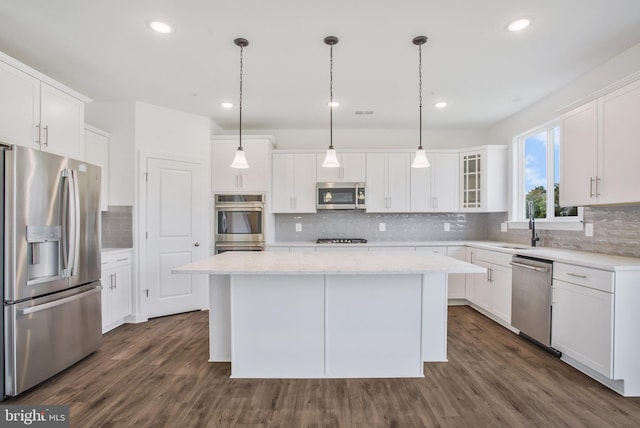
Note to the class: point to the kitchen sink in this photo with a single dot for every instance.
(515, 247)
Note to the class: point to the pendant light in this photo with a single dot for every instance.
(331, 160)
(240, 160)
(420, 161)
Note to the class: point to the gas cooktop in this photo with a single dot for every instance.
(341, 241)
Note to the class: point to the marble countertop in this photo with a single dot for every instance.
(579, 258)
(114, 250)
(343, 263)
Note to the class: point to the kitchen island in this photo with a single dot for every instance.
(315, 315)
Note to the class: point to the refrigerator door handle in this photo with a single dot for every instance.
(70, 223)
(75, 222)
(59, 302)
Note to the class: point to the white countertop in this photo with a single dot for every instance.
(355, 263)
(114, 250)
(579, 258)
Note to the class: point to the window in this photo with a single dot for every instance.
(537, 178)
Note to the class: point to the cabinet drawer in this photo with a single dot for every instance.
(114, 260)
(495, 257)
(588, 277)
(433, 249)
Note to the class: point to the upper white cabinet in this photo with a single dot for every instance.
(293, 183)
(255, 178)
(435, 189)
(388, 182)
(61, 122)
(96, 151)
(352, 168)
(37, 112)
(19, 107)
(483, 179)
(600, 142)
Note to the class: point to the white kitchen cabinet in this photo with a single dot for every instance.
(583, 325)
(436, 189)
(255, 178)
(392, 248)
(96, 151)
(36, 112)
(61, 122)
(578, 155)
(19, 107)
(600, 142)
(388, 182)
(116, 288)
(352, 169)
(293, 183)
(492, 290)
(470, 278)
(483, 179)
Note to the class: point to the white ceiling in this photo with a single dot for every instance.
(104, 50)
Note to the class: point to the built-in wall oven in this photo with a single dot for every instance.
(239, 222)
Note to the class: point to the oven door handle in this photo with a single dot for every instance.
(537, 269)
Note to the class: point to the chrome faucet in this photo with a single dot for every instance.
(532, 225)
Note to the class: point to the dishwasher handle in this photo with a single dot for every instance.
(537, 269)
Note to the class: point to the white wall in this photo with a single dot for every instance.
(117, 118)
(618, 67)
(371, 138)
(163, 130)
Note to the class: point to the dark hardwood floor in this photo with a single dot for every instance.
(156, 374)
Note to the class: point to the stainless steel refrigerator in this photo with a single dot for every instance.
(50, 263)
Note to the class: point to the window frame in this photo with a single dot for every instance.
(517, 213)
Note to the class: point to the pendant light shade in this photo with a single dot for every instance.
(420, 160)
(240, 160)
(331, 160)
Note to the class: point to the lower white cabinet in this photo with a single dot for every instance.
(116, 288)
(583, 325)
(457, 281)
(491, 291)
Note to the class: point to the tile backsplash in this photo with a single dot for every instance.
(616, 231)
(398, 227)
(117, 227)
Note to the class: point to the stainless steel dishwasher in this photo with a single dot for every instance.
(531, 309)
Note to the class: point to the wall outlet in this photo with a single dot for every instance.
(298, 227)
(447, 227)
(588, 229)
(504, 226)
(382, 227)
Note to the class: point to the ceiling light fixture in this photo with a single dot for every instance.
(420, 161)
(331, 160)
(240, 160)
(519, 24)
(440, 104)
(226, 105)
(160, 27)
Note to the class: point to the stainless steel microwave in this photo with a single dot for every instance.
(340, 196)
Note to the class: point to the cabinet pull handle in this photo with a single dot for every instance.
(577, 275)
(38, 135)
(597, 186)
(241, 181)
(46, 135)
(121, 260)
(592, 180)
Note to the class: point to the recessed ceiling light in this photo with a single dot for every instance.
(333, 104)
(160, 27)
(226, 105)
(440, 104)
(518, 24)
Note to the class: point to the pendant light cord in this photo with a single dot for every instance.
(240, 122)
(420, 89)
(331, 97)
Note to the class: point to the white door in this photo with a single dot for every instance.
(176, 214)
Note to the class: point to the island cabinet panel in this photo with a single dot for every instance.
(281, 320)
(373, 329)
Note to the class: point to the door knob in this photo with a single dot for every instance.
(196, 244)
